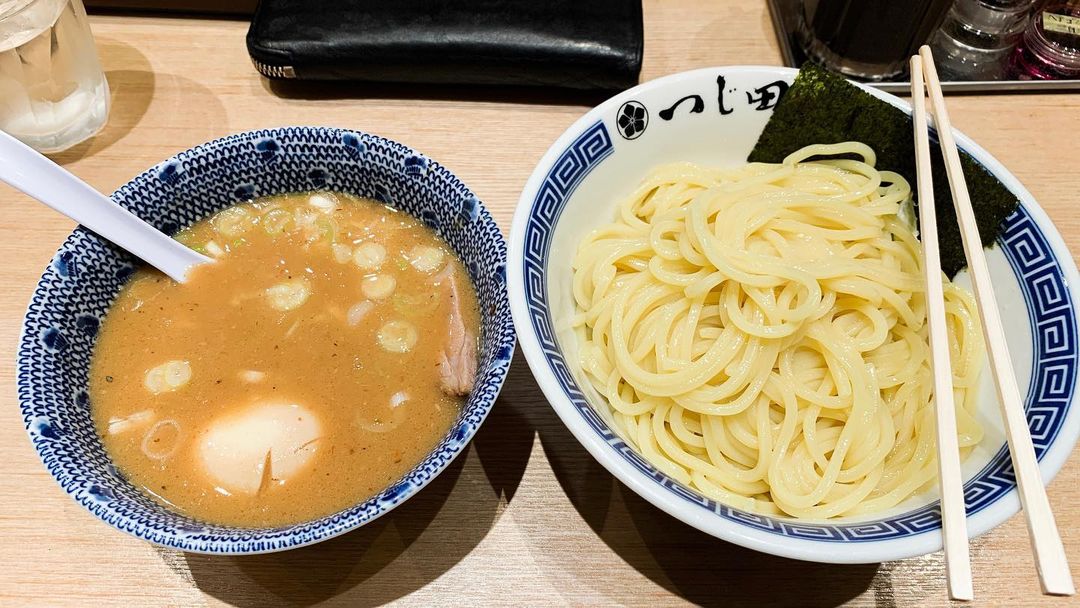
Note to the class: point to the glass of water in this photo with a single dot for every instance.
(53, 93)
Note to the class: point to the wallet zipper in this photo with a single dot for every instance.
(274, 71)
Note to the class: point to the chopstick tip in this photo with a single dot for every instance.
(960, 588)
(1062, 588)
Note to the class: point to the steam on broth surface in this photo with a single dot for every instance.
(323, 355)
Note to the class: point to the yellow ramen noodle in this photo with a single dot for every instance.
(324, 354)
(760, 333)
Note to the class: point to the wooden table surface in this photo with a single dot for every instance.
(525, 517)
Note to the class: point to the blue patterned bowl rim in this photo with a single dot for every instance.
(355, 161)
(1036, 252)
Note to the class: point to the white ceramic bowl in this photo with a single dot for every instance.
(601, 158)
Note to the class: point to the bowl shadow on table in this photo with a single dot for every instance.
(394, 555)
(685, 561)
(131, 87)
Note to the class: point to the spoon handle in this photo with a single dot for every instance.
(25, 169)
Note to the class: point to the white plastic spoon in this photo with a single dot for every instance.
(26, 170)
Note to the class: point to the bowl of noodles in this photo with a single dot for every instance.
(744, 344)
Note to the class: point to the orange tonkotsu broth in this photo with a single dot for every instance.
(321, 357)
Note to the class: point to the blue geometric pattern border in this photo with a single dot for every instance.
(1053, 377)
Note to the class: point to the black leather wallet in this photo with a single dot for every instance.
(583, 44)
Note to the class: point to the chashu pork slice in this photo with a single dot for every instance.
(457, 365)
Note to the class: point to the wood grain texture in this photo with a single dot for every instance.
(525, 517)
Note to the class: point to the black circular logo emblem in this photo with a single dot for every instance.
(633, 118)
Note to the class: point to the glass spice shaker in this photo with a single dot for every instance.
(977, 36)
(1050, 48)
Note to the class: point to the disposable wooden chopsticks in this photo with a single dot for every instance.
(953, 516)
(1046, 541)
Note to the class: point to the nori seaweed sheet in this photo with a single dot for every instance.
(824, 108)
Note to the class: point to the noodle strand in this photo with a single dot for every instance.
(760, 333)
